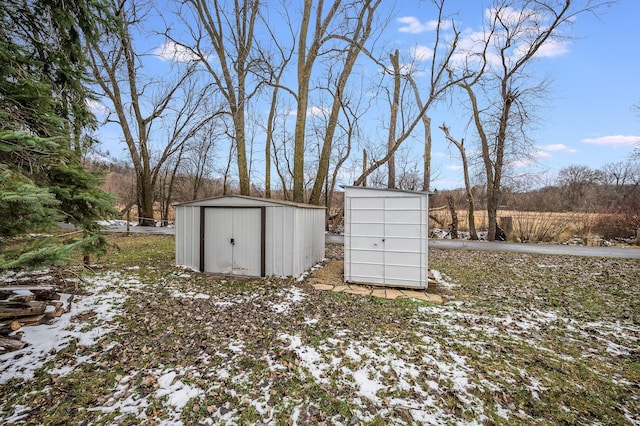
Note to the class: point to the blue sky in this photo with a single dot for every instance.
(588, 118)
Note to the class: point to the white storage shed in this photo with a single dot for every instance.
(386, 237)
(251, 236)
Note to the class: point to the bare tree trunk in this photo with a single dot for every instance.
(145, 200)
(360, 36)
(307, 55)
(364, 166)
(268, 142)
(454, 218)
(426, 121)
(393, 120)
(426, 174)
(467, 181)
(231, 34)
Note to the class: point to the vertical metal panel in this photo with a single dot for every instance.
(247, 236)
(233, 240)
(218, 231)
(202, 234)
(386, 237)
(187, 236)
(180, 224)
(287, 246)
(278, 241)
(309, 242)
(263, 236)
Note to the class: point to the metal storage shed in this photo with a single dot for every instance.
(249, 236)
(386, 237)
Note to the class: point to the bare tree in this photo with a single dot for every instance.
(340, 28)
(222, 39)
(199, 158)
(498, 87)
(394, 104)
(143, 102)
(440, 81)
(578, 183)
(467, 182)
(355, 40)
(271, 68)
(620, 175)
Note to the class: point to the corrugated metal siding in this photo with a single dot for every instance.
(188, 237)
(294, 235)
(279, 244)
(309, 239)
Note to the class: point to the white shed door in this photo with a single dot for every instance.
(386, 241)
(232, 241)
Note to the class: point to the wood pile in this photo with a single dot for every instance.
(25, 306)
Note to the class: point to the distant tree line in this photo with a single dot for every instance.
(612, 191)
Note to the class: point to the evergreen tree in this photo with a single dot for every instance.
(43, 115)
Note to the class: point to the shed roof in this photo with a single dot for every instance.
(258, 199)
(387, 189)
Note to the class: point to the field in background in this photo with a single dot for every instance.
(527, 226)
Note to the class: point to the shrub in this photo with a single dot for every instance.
(621, 220)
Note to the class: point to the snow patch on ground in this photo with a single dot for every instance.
(108, 293)
(289, 297)
(442, 280)
(177, 392)
(189, 295)
(424, 379)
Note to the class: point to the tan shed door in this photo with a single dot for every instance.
(232, 241)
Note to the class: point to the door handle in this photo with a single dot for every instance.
(233, 242)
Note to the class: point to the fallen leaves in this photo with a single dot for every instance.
(525, 338)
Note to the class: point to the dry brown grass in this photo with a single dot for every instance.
(527, 226)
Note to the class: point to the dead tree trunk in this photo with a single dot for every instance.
(454, 218)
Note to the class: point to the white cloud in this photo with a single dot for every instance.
(526, 25)
(509, 15)
(171, 51)
(615, 141)
(520, 163)
(453, 167)
(557, 147)
(412, 25)
(421, 53)
(553, 48)
(550, 49)
(318, 111)
(542, 154)
(314, 111)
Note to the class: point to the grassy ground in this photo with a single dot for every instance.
(523, 339)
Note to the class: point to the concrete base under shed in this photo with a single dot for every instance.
(330, 278)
